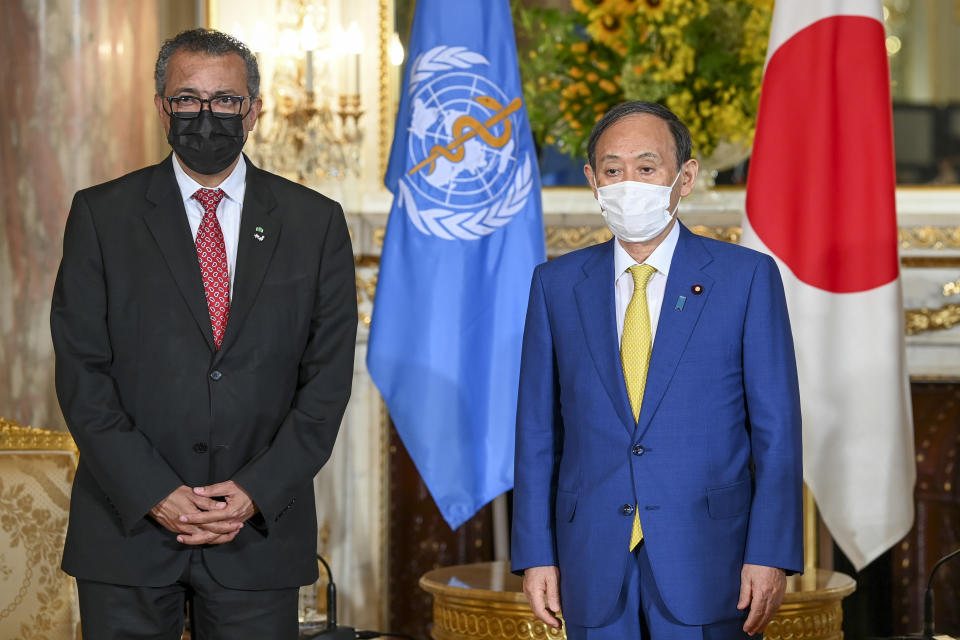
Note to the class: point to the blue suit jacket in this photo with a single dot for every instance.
(714, 462)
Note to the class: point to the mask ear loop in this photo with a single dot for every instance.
(597, 189)
(672, 185)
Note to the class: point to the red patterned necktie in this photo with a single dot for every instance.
(212, 253)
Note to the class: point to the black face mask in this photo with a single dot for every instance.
(207, 144)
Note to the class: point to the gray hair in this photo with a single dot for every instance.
(681, 135)
(211, 43)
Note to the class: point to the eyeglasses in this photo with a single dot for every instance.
(187, 107)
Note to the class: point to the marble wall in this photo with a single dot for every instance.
(77, 109)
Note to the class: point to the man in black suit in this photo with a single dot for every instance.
(204, 321)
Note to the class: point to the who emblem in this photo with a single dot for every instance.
(466, 178)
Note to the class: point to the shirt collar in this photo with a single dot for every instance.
(233, 185)
(660, 259)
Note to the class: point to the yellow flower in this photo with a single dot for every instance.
(550, 139)
(575, 72)
(592, 77)
(584, 6)
(608, 29)
(579, 47)
(653, 9)
(607, 86)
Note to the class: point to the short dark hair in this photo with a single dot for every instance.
(212, 43)
(681, 135)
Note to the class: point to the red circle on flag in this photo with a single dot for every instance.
(820, 192)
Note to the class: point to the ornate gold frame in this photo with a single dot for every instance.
(15, 437)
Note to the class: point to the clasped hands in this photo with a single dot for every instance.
(197, 517)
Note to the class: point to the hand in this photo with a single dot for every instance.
(237, 505)
(170, 512)
(762, 589)
(541, 585)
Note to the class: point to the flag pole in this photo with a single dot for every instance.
(501, 534)
(811, 549)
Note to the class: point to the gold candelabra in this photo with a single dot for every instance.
(310, 129)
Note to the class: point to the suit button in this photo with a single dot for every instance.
(215, 375)
(637, 450)
(200, 447)
(627, 509)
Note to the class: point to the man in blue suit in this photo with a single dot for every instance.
(658, 464)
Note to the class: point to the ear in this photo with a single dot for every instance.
(251, 120)
(591, 179)
(164, 118)
(688, 176)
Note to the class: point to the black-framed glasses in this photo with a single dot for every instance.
(187, 107)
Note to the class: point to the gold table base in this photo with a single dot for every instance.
(485, 601)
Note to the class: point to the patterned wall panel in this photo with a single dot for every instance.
(936, 531)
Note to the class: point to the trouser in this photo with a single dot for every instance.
(118, 612)
(644, 616)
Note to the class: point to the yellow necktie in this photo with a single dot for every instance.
(635, 356)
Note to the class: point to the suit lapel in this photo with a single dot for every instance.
(675, 325)
(167, 222)
(259, 232)
(595, 302)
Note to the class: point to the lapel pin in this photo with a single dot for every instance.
(697, 289)
(258, 234)
(680, 302)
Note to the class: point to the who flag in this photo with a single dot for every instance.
(464, 235)
(821, 200)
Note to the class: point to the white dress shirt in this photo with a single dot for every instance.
(660, 260)
(228, 213)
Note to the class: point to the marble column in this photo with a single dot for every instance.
(77, 105)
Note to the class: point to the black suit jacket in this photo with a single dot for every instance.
(152, 405)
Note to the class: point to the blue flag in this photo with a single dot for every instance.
(464, 235)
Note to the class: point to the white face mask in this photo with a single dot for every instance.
(636, 211)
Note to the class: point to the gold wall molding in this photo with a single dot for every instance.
(731, 234)
(930, 262)
(923, 320)
(951, 288)
(910, 238)
(15, 437)
(366, 290)
(562, 239)
(383, 77)
(929, 237)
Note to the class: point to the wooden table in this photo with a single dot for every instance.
(485, 600)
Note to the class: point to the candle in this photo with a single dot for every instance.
(356, 74)
(308, 73)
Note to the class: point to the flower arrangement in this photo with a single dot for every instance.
(703, 59)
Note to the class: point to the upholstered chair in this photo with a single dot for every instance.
(38, 601)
